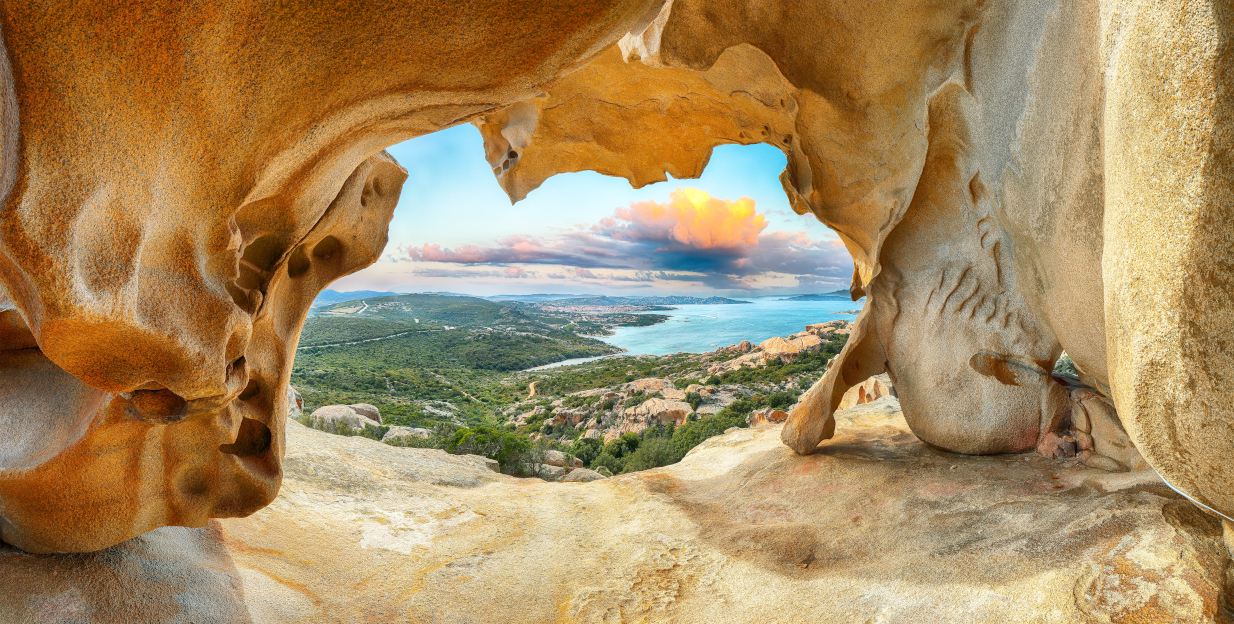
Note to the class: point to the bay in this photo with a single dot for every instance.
(699, 328)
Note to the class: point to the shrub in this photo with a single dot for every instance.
(682, 384)
(586, 449)
(513, 452)
(782, 399)
(714, 380)
(1066, 366)
(606, 462)
(694, 399)
(652, 453)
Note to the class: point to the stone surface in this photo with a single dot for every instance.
(875, 527)
(869, 390)
(550, 472)
(649, 385)
(175, 194)
(554, 458)
(788, 349)
(766, 416)
(367, 411)
(94, 466)
(999, 171)
(338, 419)
(581, 475)
(664, 412)
(398, 434)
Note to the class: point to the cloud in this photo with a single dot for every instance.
(691, 220)
(692, 237)
(506, 272)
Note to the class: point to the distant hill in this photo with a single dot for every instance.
(831, 296)
(645, 301)
(328, 297)
(535, 298)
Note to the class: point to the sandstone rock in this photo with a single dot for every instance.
(829, 328)
(664, 412)
(649, 385)
(581, 475)
(869, 390)
(673, 394)
(338, 419)
(397, 434)
(592, 434)
(381, 520)
(766, 416)
(188, 246)
(295, 404)
(626, 426)
(555, 458)
(482, 462)
(788, 349)
(367, 411)
(549, 472)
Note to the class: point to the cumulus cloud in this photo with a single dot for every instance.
(692, 237)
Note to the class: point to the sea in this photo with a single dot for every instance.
(699, 328)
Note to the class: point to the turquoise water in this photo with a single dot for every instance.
(699, 328)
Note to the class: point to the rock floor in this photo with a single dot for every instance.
(874, 527)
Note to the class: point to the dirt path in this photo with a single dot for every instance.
(531, 387)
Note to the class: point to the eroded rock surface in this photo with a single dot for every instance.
(998, 170)
(175, 193)
(876, 526)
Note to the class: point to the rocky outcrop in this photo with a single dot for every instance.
(199, 434)
(766, 416)
(895, 530)
(405, 435)
(163, 238)
(650, 385)
(367, 411)
(660, 411)
(869, 390)
(787, 349)
(581, 475)
(342, 418)
(557, 458)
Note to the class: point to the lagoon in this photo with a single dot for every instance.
(699, 328)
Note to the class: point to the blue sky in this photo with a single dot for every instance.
(730, 232)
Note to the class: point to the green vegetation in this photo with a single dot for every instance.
(457, 365)
(1066, 366)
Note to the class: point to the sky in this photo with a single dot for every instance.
(729, 233)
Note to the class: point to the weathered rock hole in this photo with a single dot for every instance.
(253, 440)
(250, 391)
(157, 405)
(327, 248)
(298, 264)
(259, 257)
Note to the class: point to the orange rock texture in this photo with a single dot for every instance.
(1012, 178)
(178, 182)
